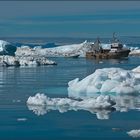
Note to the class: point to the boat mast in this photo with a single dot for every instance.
(114, 38)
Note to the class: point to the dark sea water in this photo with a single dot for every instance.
(17, 122)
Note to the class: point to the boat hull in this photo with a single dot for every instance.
(108, 55)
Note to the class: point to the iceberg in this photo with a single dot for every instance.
(106, 81)
(60, 51)
(100, 102)
(134, 133)
(101, 105)
(6, 48)
(7, 60)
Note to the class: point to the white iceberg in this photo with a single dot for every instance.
(3, 44)
(6, 48)
(134, 133)
(101, 105)
(66, 50)
(100, 102)
(105, 81)
(7, 60)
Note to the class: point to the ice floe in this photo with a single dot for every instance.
(134, 133)
(101, 105)
(7, 60)
(105, 81)
(66, 50)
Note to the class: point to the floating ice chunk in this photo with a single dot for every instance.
(106, 80)
(134, 133)
(101, 105)
(7, 60)
(66, 50)
(22, 119)
(103, 114)
(25, 61)
(38, 99)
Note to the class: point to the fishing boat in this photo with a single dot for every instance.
(116, 50)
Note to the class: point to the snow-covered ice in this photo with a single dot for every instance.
(100, 102)
(6, 48)
(66, 50)
(3, 44)
(7, 60)
(105, 81)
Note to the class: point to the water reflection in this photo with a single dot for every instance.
(42, 110)
(127, 102)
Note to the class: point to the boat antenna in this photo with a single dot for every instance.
(114, 38)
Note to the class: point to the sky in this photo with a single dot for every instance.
(69, 18)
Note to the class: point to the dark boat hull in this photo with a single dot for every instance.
(108, 55)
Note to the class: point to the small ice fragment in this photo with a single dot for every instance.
(22, 119)
(134, 133)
